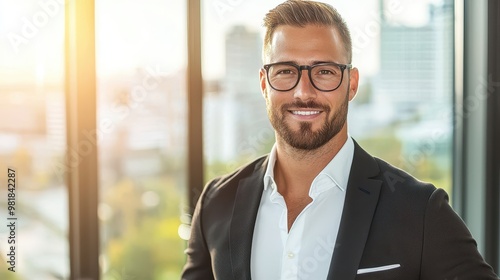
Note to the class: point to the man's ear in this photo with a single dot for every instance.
(263, 83)
(353, 83)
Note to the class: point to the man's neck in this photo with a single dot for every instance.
(295, 169)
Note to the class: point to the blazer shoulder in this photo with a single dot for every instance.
(397, 181)
(392, 177)
(389, 169)
(231, 180)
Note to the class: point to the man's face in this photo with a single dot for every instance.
(304, 117)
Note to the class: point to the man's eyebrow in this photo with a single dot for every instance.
(323, 61)
(312, 63)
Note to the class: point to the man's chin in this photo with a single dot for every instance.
(301, 127)
(305, 146)
(305, 140)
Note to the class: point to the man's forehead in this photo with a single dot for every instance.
(288, 41)
(287, 30)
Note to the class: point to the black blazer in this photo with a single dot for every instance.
(389, 218)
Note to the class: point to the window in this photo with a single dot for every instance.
(33, 139)
(141, 89)
(402, 112)
(236, 128)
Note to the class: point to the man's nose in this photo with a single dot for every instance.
(304, 89)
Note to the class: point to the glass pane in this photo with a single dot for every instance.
(33, 141)
(236, 128)
(141, 62)
(402, 112)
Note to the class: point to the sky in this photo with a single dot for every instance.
(31, 42)
(152, 33)
(219, 15)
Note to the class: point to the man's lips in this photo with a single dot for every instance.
(305, 112)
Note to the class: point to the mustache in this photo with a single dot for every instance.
(299, 104)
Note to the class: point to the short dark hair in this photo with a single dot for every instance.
(301, 13)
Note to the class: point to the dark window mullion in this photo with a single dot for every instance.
(81, 156)
(493, 138)
(195, 103)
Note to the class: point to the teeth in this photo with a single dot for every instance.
(305, 113)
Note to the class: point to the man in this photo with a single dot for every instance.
(318, 206)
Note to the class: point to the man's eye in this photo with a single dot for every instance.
(284, 72)
(325, 72)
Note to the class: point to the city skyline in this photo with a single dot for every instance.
(141, 93)
(27, 44)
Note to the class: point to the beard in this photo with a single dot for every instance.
(305, 138)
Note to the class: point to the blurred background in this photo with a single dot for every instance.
(103, 138)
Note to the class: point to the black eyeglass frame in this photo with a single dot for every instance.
(300, 68)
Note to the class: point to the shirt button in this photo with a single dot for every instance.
(291, 255)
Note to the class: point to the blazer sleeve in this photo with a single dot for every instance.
(198, 264)
(449, 251)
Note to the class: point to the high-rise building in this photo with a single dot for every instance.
(236, 123)
(415, 83)
(416, 74)
(140, 122)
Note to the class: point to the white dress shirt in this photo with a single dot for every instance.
(306, 250)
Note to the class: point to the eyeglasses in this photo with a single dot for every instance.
(284, 76)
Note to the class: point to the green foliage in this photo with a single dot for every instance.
(385, 146)
(251, 149)
(219, 168)
(424, 167)
(149, 246)
(6, 274)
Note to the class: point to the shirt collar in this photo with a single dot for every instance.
(269, 175)
(336, 170)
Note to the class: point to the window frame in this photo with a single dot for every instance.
(476, 101)
(81, 116)
(478, 204)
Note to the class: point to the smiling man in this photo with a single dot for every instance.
(318, 206)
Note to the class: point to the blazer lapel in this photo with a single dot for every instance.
(360, 204)
(246, 205)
